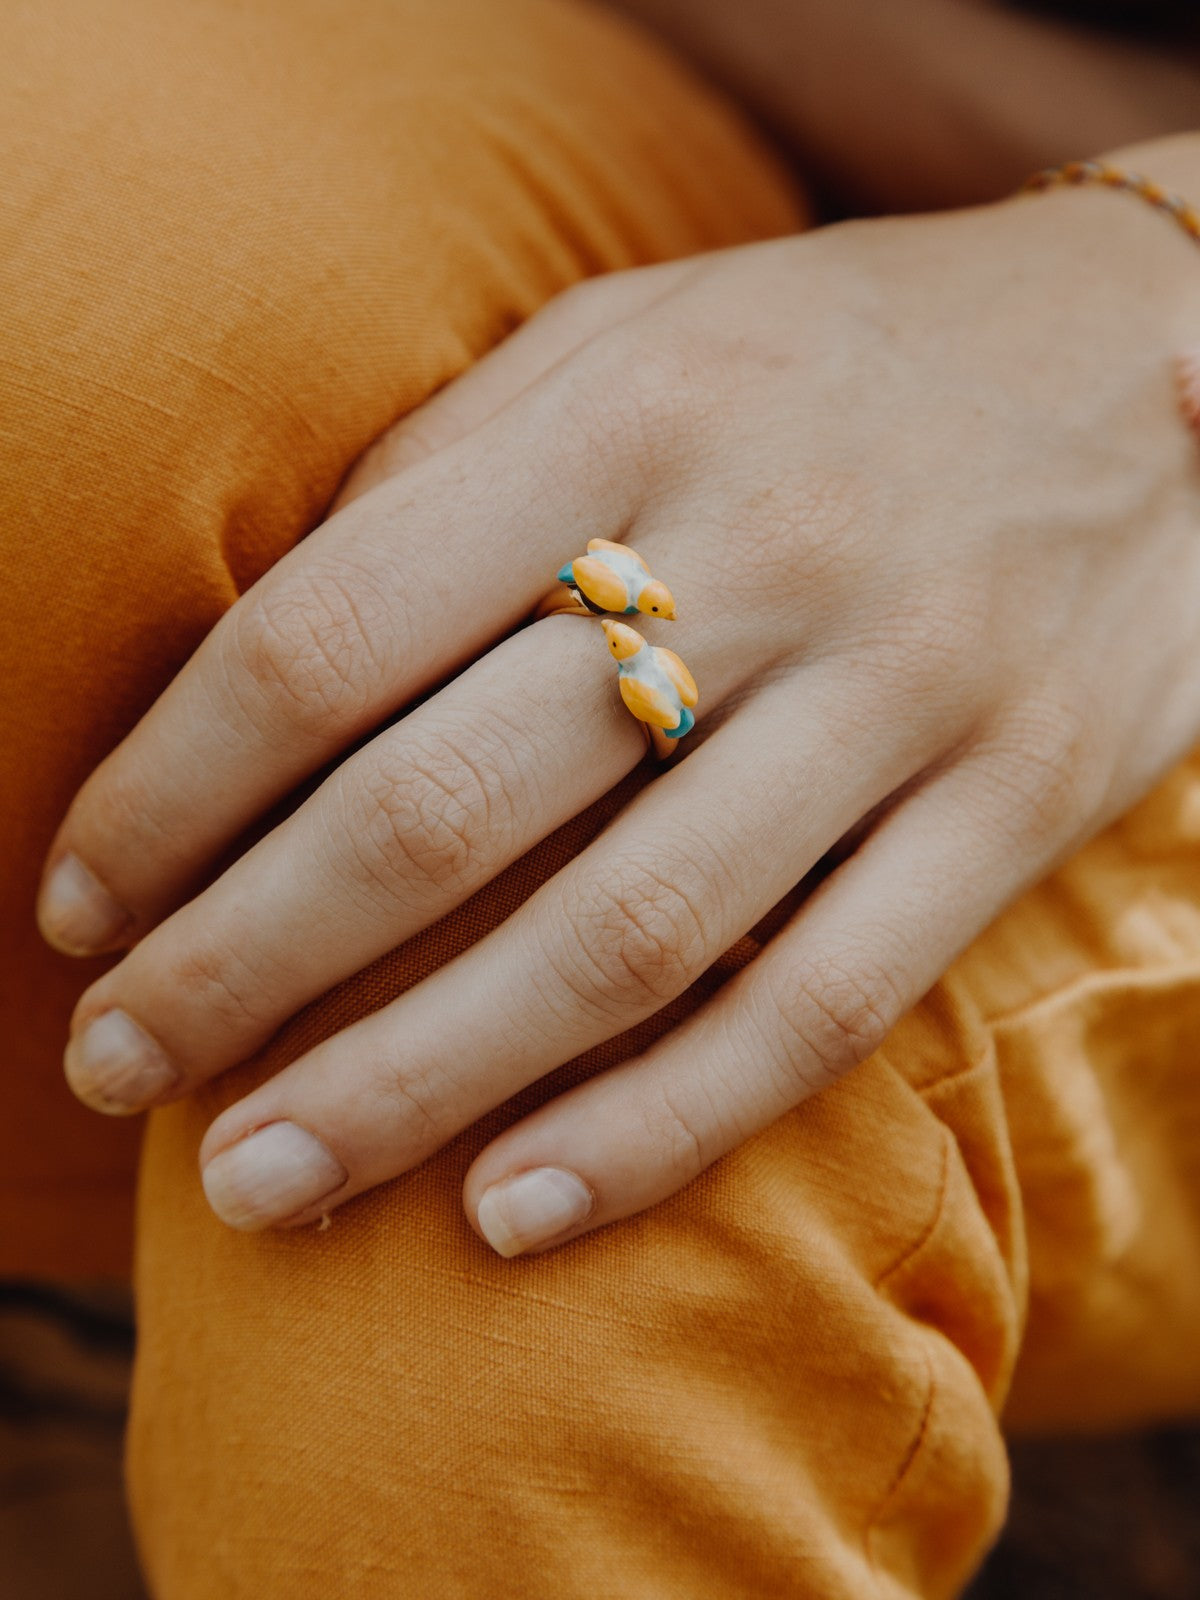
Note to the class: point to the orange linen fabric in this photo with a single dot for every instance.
(237, 238)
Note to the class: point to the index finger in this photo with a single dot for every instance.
(385, 600)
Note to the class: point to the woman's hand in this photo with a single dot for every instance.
(933, 531)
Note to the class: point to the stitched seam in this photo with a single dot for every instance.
(903, 1472)
(951, 1075)
(955, 1076)
(927, 1232)
(1141, 978)
(911, 1455)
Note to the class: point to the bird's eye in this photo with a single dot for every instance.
(654, 608)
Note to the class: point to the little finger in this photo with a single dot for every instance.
(821, 997)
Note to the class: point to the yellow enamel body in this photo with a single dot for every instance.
(649, 704)
(679, 676)
(655, 685)
(614, 578)
(602, 586)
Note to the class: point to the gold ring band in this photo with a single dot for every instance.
(611, 582)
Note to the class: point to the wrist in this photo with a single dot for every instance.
(1123, 280)
(1117, 248)
(1056, 318)
(1173, 161)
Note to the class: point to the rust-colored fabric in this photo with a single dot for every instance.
(237, 238)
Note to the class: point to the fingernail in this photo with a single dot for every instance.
(115, 1066)
(76, 913)
(532, 1208)
(271, 1175)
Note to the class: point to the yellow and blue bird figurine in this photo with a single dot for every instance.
(614, 578)
(655, 684)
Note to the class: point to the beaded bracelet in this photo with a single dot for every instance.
(1187, 366)
(1081, 172)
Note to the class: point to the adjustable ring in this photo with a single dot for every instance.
(655, 685)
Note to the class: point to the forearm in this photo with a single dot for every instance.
(933, 103)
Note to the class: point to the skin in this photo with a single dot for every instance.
(959, 621)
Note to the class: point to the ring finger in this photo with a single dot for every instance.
(602, 945)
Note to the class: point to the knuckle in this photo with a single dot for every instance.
(834, 1014)
(645, 395)
(673, 1137)
(1050, 777)
(665, 380)
(934, 639)
(307, 652)
(407, 443)
(127, 799)
(802, 529)
(924, 661)
(426, 818)
(405, 1101)
(581, 305)
(829, 509)
(224, 986)
(638, 940)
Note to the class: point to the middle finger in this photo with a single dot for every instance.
(400, 834)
